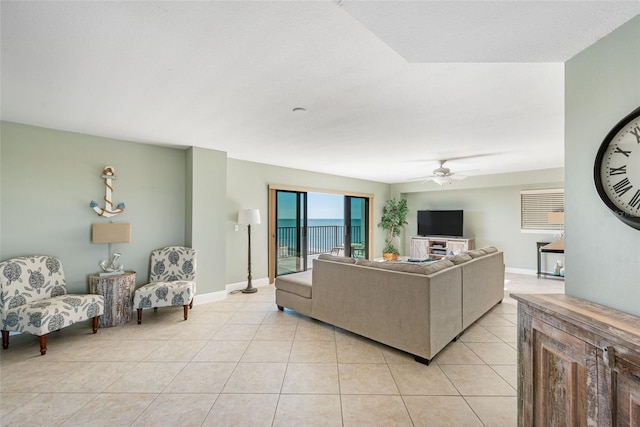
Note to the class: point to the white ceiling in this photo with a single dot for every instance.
(389, 86)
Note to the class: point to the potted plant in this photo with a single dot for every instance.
(394, 218)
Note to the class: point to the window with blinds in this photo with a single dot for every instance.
(542, 211)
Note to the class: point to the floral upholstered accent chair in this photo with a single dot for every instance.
(34, 299)
(172, 280)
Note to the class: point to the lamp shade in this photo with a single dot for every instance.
(556, 218)
(249, 216)
(111, 233)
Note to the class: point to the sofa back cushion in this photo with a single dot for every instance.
(460, 258)
(408, 267)
(476, 253)
(402, 267)
(335, 258)
(435, 266)
(28, 279)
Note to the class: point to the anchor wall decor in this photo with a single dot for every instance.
(108, 174)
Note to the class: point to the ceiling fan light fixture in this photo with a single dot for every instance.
(441, 180)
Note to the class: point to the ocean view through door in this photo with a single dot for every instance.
(291, 219)
(356, 238)
(305, 224)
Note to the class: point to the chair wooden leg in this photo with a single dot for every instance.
(191, 303)
(43, 344)
(155, 309)
(5, 339)
(186, 311)
(95, 324)
(139, 316)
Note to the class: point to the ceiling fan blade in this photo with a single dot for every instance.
(421, 178)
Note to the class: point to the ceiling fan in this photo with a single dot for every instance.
(442, 175)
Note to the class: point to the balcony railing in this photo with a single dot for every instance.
(320, 239)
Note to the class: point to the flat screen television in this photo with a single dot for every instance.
(440, 223)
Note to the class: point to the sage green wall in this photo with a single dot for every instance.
(491, 211)
(172, 196)
(48, 179)
(602, 85)
(247, 187)
(0, 190)
(206, 214)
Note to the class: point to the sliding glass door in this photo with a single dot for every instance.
(291, 231)
(304, 224)
(356, 217)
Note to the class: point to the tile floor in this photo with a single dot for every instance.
(241, 362)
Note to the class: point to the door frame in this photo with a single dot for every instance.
(348, 226)
(273, 188)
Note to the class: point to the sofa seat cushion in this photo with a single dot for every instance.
(164, 294)
(296, 283)
(50, 314)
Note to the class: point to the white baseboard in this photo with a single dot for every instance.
(520, 271)
(222, 295)
(210, 297)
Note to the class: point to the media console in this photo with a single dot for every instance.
(434, 247)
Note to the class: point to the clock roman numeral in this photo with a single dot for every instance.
(636, 132)
(635, 200)
(621, 151)
(618, 171)
(622, 187)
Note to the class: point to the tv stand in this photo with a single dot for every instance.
(436, 247)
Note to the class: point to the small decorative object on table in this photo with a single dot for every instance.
(112, 267)
(558, 268)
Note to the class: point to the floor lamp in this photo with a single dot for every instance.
(249, 217)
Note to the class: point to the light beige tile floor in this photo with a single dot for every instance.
(241, 362)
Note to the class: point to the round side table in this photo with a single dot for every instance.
(117, 291)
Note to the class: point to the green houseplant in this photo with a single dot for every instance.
(394, 218)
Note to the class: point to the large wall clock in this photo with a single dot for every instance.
(617, 170)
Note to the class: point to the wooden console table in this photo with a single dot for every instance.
(556, 247)
(578, 363)
(117, 291)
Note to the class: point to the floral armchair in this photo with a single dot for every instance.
(172, 280)
(34, 299)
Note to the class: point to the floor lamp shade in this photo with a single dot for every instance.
(249, 216)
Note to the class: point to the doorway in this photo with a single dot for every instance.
(305, 223)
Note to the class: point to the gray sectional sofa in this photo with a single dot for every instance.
(415, 307)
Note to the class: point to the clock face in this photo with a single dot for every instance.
(617, 169)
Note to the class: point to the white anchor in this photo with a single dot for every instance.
(108, 174)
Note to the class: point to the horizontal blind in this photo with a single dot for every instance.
(535, 206)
